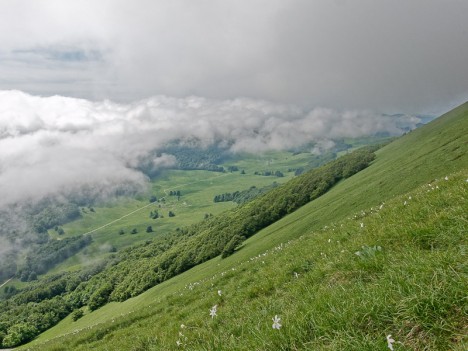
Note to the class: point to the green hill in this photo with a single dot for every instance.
(418, 158)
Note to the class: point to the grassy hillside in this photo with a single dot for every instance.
(415, 159)
(427, 153)
(396, 269)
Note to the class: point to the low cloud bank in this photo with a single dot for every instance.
(58, 145)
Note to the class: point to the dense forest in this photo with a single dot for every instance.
(134, 270)
(41, 258)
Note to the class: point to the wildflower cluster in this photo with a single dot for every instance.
(390, 342)
(367, 251)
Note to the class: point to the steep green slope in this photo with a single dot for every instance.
(415, 159)
(427, 153)
(397, 270)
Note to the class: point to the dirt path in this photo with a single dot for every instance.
(120, 218)
(6, 282)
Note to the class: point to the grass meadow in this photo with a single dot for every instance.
(397, 268)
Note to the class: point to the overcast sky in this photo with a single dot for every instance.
(386, 55)
(89, 89)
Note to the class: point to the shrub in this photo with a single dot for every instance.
(77, 314)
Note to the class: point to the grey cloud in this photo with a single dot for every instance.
(384, 55)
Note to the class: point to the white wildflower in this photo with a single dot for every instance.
(178, 342)
(213, 311)
(362, 225)
(404, 203)
(219, 292)
(446, 178)
(276, 322)
(390, 342)
(296, 275)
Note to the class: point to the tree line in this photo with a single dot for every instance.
(244, 196)
(270, 173)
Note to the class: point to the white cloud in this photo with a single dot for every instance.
(57, 145)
